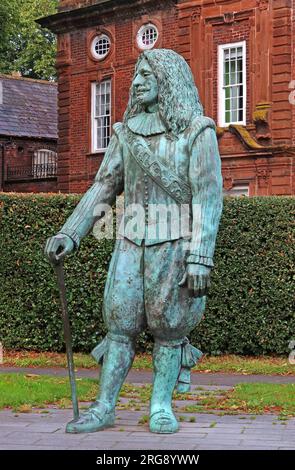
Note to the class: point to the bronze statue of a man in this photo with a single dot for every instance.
(164, 153)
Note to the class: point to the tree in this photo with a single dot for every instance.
(8, 20)
(24, 45)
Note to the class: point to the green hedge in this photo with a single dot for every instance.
(250, 309)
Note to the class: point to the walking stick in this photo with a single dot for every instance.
(59, 269)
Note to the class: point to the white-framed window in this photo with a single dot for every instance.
(44, 163)
(232, 84)
(101, 115)
(100, 46)
(238, 190)
(147, 36)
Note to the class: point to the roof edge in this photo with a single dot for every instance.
(14, 135)
(35, 80)
(67, 20)
(70, 8)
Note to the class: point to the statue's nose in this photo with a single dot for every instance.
(139, 80)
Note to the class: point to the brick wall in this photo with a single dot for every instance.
(38, 186)
(293, 70)
(18, 152)
(266, 28)
(193, 28)
(281, 72)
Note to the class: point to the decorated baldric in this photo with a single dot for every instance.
(178, 189)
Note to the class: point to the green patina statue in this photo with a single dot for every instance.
(163, 155)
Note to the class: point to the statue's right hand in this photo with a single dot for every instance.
(58, 247)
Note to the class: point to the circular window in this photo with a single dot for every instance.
(100, 46)
(147, 36)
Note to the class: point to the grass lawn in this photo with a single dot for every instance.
(254, 398)
(22, 392)
(226, 363)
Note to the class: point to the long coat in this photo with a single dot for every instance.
(193, 158)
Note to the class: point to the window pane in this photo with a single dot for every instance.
(238, 190)
(232, 73)
(234, 116)
(239, 52)
(234, 92)
(226, 54)
(241, 100)
(240, 77)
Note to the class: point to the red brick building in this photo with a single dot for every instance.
(242, 56)
(28, 135)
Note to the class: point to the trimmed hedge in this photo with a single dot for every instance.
(250, 309)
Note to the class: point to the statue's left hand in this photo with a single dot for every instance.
(197, 279)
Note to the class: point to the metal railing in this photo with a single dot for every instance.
(44, 165)
(44, 170)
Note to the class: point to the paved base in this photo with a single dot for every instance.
(45, 429)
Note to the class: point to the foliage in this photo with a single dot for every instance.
(251, 302)
(30, 313)
(25, 46)
(250, 308)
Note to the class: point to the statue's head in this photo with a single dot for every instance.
(145, 87)
(162, 77)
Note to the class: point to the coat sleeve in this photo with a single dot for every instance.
(108, 183)
(206, 186)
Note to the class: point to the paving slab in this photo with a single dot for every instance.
(230, 432)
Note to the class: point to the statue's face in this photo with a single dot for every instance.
(145, 85)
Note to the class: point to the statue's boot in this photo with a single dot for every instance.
(167, 361)
(117, 360)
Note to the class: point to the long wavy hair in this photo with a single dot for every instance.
(179, 101)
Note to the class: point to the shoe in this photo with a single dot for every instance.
(96, 418)
(163, 422)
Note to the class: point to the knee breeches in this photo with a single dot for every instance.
(142, 289)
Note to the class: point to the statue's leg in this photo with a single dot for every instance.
(171, 315)
(116, 364)
(117, 361)
(166, 361)
(124, 317)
